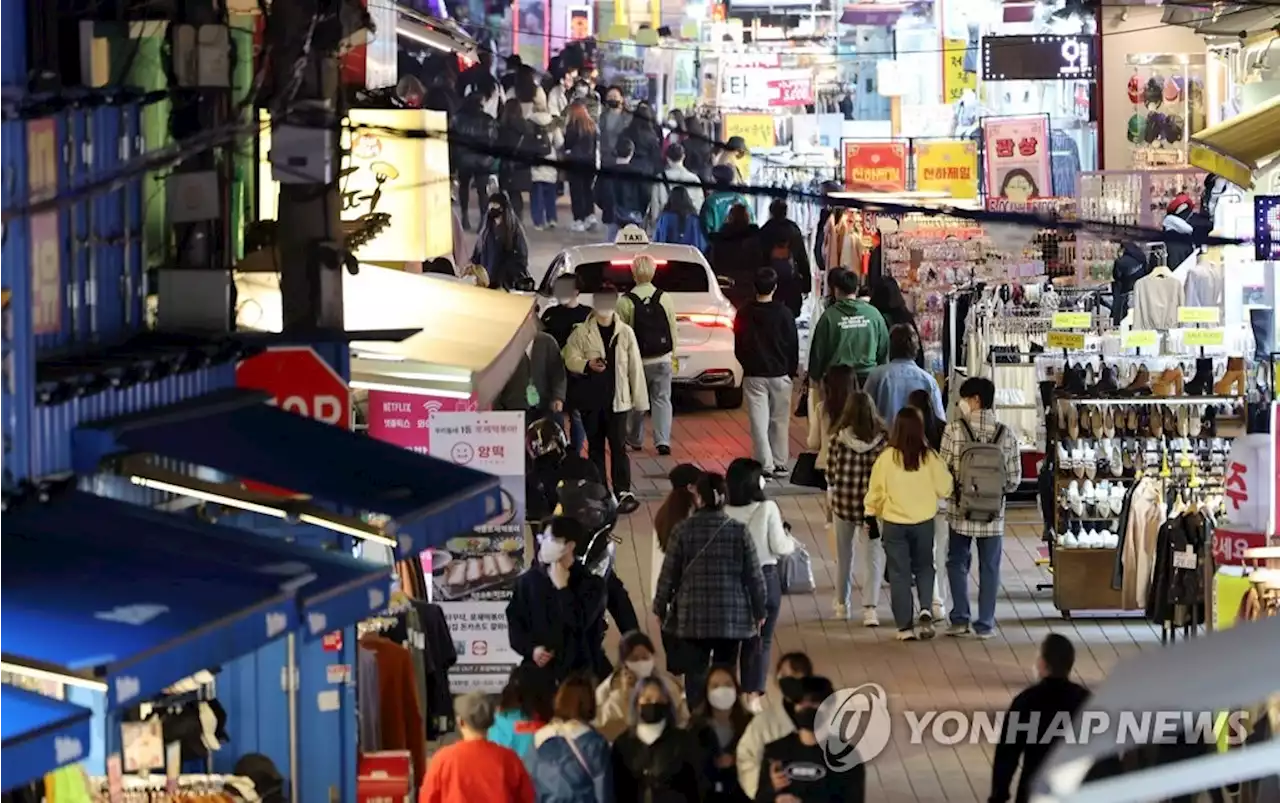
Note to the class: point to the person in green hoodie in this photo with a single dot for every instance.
(850, 332)
(715, 209)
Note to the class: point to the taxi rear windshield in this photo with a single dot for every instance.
(674, 276)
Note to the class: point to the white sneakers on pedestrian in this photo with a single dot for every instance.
(869, 617)
(907, 635)
(924, 625)
(578, 226)
(841, 611)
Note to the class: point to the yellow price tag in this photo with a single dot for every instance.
(1064, 340)
(1140, 339)
(1198, 315)
(1072, 320)
(1202, 337)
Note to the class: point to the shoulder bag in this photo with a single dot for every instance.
(678, 652)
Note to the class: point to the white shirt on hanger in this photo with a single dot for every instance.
(1156, 298)
(1204, 285)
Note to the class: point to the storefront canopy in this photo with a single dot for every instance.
(1220, 19)
(471, 341)
(39, 735)
(1225, 671)
(1235, 149)
(235, 433)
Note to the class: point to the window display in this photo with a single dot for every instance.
(1168, 105)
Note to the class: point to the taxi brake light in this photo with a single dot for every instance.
(709, 320)
(628, 262)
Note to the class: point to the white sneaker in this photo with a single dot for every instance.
(1102, 499)
(938, 614)
(593, 221)
(1074, 500)
(577, 225)
(551, 224)
(841, 611)
(924, 625)
(869, 617)
(1077, 462)
(906, 635)
(1090, 462)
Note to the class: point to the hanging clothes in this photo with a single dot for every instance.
(1064, 162)
(401, 722)
(1205, 285)
(1141, 532)
(441, 656)
(842, 243)
(369, 701)
(1156, 298)
(1177, 591)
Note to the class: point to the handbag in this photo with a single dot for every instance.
(806, 472)
(802, 407)
(795, 572)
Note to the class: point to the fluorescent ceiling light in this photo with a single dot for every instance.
(360, 384)
(1262, 553)
(56, 677)
(266, 510)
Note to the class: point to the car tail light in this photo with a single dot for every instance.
(618, 263)
(709, 320)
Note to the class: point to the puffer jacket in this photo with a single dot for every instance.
(769, 725)
(555, 135)
(849, 462)
(511, 730)
(570, 763)
(470, 126)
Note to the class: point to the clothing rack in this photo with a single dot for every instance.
(184, 789)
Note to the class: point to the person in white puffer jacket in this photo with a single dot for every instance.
(542, 196)
(771, 723)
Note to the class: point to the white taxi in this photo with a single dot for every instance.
(704, 317)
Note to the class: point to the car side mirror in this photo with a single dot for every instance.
(725, 282)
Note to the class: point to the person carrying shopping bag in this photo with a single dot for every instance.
(907, 482)
(857, 439)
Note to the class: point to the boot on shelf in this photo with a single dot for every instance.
(1169, 383)
(1141, 384)
(1073, 382)
(1107, 383)
(1202, 383)
(1262, 321)
(1232, 382)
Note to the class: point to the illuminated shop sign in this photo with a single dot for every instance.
(1038, 58)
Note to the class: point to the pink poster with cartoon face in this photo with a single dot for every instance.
(405, 418)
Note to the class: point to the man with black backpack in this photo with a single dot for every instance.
(649, 311)
(984, 458)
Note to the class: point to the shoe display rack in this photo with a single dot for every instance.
(1112, 421)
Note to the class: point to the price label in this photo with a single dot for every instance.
(1184, 559)
(1064, 340)
(1202, 337)
(1140, 339)
(1199, 315)
(1072, 320)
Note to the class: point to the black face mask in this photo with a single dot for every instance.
(804, 718)
(495, 214)
(613, 104)
(791, 688)
(653, 713)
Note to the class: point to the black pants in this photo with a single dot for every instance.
(618, 604)
(754, 666)
(607, 428)
(481, 183)
(704, 653)
(581, 199)
(514, 186)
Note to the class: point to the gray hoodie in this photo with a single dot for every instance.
(612, 123)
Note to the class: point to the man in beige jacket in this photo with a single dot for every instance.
(603, 353)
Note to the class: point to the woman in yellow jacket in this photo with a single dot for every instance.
(907, 481)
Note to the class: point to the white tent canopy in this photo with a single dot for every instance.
(471, 343)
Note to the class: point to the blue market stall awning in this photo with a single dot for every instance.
(79, 594)
(242, 437)
(38, 735)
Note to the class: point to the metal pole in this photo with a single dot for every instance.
(291, 685)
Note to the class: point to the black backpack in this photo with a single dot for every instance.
(653, 328)
(539, 143)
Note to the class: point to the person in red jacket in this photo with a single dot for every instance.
(475, 769)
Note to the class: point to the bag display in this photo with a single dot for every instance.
(795, 572)
(980, 476)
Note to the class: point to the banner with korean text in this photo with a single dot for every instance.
(473, 575)
(875, 166)
(1016, 152)
(949, 166)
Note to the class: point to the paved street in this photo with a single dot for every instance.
(940, 674)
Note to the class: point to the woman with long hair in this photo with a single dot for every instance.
(678, 506)
(886, 297)
(697, 148)
(933, 426)
(678, 223)
(644, 133)
(907, 482)
(736, 252)
(833, 396)
(719, 723)
(570, 759)
(501, 248)
(857, 440)
(524, 707)
(655, 759)
(581, 143)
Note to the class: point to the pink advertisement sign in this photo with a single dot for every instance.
(1016, 153)
(405, 418)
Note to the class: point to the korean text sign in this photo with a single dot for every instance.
(875, 166)
(1016, 150)
(405, 418)
(949, 166)
(474, 574)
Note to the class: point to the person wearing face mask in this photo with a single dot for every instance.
(604, 354)
(613, 121)
(501, 247)
(553, 618)
(537, 387)
(772, 722)
(559, 320)
(614, 694)
(655, 760)
(720, 722)
(795, 766)
(976, 423)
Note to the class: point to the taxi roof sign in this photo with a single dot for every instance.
(631, 234)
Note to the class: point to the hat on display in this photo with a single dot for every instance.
(1135, 88)
(1137, 127)
(1153, 92)
(1173, 89)
(1173, 127)
(1155, 125)
(1181, 204)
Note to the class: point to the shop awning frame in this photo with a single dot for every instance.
(233, 432)
(41, 734)
(1236, 148)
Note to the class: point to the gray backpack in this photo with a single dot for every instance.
(980, 476)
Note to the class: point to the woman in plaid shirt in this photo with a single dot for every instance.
(858, 439)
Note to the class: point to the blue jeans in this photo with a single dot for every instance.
(754, 662)
(542, 200)
(577, 432)
(959, 557)
(908, 552)
(658, 377)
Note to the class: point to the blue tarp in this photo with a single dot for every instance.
(39, 734)
(430, 498)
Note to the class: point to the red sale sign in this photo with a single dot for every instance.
(791, 91)
(405, 418)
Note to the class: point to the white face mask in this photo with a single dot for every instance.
(762, 482)
(965, 409)
(650, 733)
(552, 550)
(722, 698)
(641, 669)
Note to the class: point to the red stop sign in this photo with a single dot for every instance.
(302, 383)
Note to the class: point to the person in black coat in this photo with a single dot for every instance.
(1033, 713)
(697, 148)
(655, 761)
(783, 243)
(1129, 267)
(736, 252)
(501, 247)
(515, 139)
(554, 614)
(473, 127)
(644, 135)
(886, 297)
(623, 199)
(581, 141)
